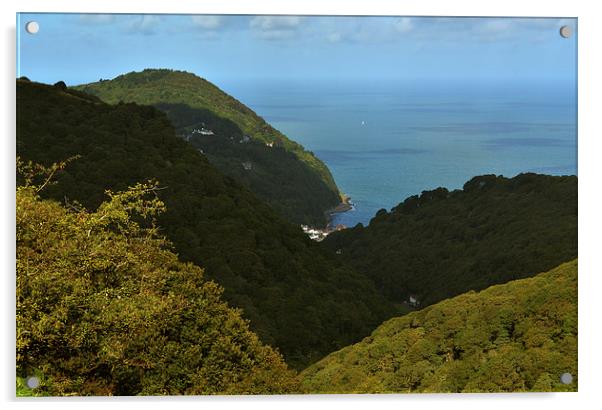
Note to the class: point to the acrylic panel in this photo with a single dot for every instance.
(247, 204)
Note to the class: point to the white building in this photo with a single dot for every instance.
(202, 131)
(413, 301)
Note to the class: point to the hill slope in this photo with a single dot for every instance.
(520, 336)
(298, 297)
(445, 243)
(103, 308)
(280, 171)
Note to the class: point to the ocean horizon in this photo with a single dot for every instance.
(385, 141)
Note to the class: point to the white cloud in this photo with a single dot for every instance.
(334, 37)
(551, 23)
(453, 30)
(404, 25)
(525, 29)
(145, 24)
(275, 27)
(207, 22)
(267, 23)
(497, 26)
(276, 34)
(97, 18)
(495, 29)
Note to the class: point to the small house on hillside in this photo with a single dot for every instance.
(247, 165)
(413, 301)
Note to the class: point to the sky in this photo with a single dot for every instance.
(81, 48)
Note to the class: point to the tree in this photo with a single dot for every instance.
(104, 307)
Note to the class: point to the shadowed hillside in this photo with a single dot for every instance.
(298, 297)
(235, 139)
(441, 243)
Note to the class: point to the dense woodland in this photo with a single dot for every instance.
(442, 243)
(298, 297)
(520, 336)
(118, 250)
(276, 175)
(283, 174)
(105, 308)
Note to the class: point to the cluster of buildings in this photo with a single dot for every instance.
(196, 131)
(202, 131)
(319, 234)
(245, 139)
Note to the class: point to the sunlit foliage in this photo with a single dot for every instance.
(521, 336)
(105, 308)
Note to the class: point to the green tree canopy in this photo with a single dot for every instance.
(297, 296)
(520, 336)
(104, 307)
(443, 243)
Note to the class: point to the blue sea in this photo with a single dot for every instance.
(385, 141)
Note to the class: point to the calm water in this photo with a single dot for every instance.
(385, 142)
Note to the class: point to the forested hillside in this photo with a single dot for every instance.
(105, 308)
(440, 244)
(297, 295)
(521, 336)
(280, 171)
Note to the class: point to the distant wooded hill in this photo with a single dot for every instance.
(235, 139)
(298, 296)
(441, 243)
(520, 336)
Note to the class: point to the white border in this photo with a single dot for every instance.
(551, 8)
(590, 175)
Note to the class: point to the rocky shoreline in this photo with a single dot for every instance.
(344, 206)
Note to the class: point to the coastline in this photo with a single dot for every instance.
(344, 206)
(318, 234)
